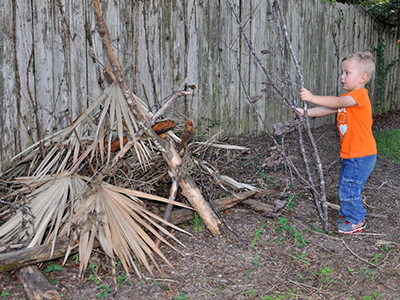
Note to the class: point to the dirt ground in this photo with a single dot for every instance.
(294, 259)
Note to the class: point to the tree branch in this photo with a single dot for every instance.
(169, 153)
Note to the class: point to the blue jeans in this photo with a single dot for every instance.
(353, 175)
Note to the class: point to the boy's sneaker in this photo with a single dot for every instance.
(348, 228)
(341, 219)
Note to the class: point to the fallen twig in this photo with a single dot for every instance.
(360, 258)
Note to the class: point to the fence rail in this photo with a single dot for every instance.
(52, 60)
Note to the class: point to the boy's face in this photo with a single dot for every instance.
(353, 77)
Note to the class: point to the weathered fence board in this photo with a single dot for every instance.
(75, 14)
(52, 60)
(24, 91)
(7, 82)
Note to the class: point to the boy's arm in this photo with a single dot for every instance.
(327, 101)
(318, 111)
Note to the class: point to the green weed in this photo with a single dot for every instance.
(105, 290)
(290, 294)
(374, 296)
(94, 278)
(251, 293)
(288, 231)
(292, 202)
(325, 274)
(198, 223)
(4, 294)
(350, 270)
(210, 123)
(92, 271)
(300, 257)
(315, 228)
(263, 179)
(53, 268)
(122, 278)
(92, 268)
(75, 258)
(182, 296)
(255, 262)
(257, 233)
(266, 177)
(376, 258)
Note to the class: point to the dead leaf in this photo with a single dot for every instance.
(284, 127)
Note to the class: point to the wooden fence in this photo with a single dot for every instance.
(52, 59)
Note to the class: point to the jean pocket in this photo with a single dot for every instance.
(349, 189)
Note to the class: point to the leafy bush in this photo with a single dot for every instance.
(387, 12)
(388, 143)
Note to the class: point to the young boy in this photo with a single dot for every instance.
(358, 146)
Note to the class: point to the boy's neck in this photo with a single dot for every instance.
(357, 88)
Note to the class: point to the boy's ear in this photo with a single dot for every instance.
(363, 78)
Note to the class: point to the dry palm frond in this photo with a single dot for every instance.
(60, 200)
(50, 203)
(121, 224)
(72, 205)
(84, 140)
(117, 118)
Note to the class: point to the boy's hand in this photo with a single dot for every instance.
(300, 110)
(306, 95)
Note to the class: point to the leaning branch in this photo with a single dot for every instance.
(320, 202)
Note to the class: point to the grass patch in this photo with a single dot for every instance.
(388, 144)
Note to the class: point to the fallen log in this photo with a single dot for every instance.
(260, 206)
(36, 285)
(183, 215)
(30, 256)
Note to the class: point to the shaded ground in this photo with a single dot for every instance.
(298, 261)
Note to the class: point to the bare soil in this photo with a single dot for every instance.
(294, 259)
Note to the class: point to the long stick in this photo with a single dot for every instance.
(322, 200)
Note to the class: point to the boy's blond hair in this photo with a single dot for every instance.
(366, 61)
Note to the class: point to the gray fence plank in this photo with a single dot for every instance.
(59, 60)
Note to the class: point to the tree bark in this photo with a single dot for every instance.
(189, 188)
(30, 256)
(192, 192)
(36, 285)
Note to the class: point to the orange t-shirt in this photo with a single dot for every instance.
(355, 126)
